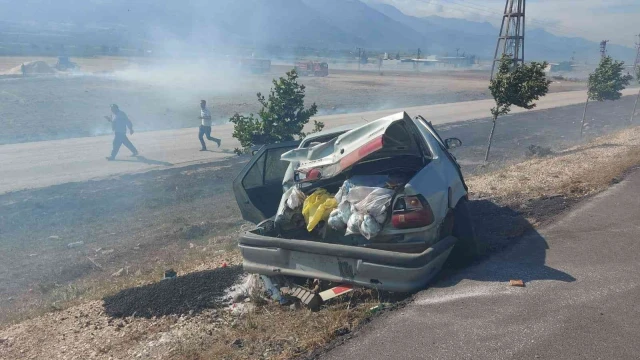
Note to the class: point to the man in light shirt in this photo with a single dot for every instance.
(119, 123)
(205, 128)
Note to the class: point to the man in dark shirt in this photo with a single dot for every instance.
(119, 123)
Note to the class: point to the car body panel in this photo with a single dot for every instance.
(338, 154)
(385, 270)
(257, 191)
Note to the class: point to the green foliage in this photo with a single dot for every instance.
(518, 85)
(638, 74)
(607, 81)
(282, 117)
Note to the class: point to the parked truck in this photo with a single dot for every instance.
(315, 68)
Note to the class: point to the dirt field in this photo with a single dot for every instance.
(167, 96)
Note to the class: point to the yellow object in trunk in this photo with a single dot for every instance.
(317, 207)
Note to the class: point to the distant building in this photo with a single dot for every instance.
(445, 61)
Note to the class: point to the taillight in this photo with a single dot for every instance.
(411, 212)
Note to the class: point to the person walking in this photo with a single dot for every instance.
(205, 127)
(119, 123)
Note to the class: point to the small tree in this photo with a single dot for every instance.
(516, 84)
(637, 97)
(605, 83)
(282, 117)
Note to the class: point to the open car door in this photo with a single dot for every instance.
(258, 187)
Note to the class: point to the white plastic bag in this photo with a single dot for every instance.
(341, 195)
(376, 203)
(353, 226)
(345, 211)
(369, 227)
(358, 193)
(335, 220)
(380, 218)
(296, 199)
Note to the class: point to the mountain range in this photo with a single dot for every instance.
(319, 24)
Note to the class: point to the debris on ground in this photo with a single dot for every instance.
(169, 274)
(538, 151)
(518, 283)
(244, 290)
(118, 273)
(75, 244)
(192, 292)
(305, 296)
(376, 309)
(336, 291)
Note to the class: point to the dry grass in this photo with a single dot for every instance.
(89, 64)
(573, 173)
(214, 252)
(277, 332)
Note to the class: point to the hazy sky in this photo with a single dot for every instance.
(615, 20)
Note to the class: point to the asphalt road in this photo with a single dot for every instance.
(46, 163)
(582, 280)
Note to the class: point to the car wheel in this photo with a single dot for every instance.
(466, 248)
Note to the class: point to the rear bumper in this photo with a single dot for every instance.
(385, 270)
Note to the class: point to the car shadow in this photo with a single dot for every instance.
(510, 247)
(187, 294)
(144, 160)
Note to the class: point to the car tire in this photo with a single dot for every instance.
(466, 247)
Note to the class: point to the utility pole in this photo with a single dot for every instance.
(418, 53)
(603, 48)
(511, 38)
(360, 50)
(636, 63)
(457, 51)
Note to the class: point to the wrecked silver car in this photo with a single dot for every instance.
(381, 205)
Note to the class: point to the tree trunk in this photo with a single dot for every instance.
(634, 107)
(583, 115)
(493, 128)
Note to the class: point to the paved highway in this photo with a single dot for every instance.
(582, 278)
(46, 163)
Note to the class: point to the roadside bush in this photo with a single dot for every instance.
(516, 84)
(282, 117)
(605, 83)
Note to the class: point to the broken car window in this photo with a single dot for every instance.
(254, 176)
(275, 168)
